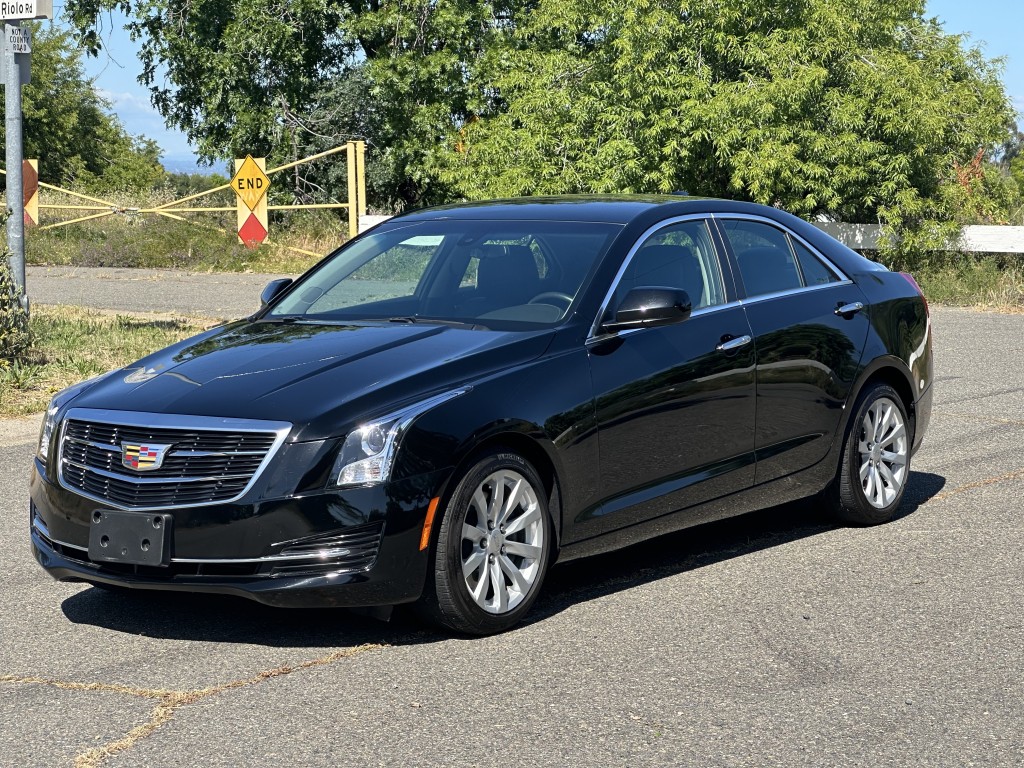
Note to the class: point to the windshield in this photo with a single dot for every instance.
(496, 274)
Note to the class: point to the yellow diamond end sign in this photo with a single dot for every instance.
(250, 183)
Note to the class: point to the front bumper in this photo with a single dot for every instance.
(357, 547)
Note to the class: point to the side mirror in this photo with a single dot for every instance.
(649, 307)
(273, 290)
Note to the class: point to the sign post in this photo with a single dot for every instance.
(17, 49)
(13, 35)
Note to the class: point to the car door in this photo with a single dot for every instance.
(807, 353)
(675, 404)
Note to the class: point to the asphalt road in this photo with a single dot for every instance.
(221, 295)
(775, 639)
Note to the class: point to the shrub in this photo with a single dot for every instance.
(14, 332)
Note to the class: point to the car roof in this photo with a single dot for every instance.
(613, 209)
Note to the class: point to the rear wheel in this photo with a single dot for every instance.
(876, 459)
(492, 548)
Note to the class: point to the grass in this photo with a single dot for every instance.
(982, 282)
(71, 344)
(205, 243)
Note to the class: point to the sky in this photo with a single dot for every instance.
(996, 25)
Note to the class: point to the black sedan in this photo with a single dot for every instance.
(444, 407)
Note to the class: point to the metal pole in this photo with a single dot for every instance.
(15, 201)
(353, 199)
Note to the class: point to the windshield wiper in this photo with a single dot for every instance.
(416, 319)
(280, 318)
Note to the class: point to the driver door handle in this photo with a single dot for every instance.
(849, 310)
(733, 342)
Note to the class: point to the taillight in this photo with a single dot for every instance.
(913, 282)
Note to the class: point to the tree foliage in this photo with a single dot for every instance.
(69, 127)
(850, 109)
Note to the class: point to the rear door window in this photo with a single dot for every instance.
(766, 262)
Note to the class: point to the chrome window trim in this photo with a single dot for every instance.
(802, 289)
(843, 278)
(594, 334)
(168, 421)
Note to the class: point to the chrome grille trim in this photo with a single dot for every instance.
(197, 427)
(312, 558)
(151, 480)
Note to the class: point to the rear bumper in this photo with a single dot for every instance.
(922, 418)
(353, 548)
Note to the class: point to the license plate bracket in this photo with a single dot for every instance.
(133, 538)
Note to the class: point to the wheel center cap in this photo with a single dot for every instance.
(495, 542)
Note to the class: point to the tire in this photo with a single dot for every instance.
(873, 472)
(489, 563)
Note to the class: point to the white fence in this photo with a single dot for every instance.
(975, 239)
(864, 237)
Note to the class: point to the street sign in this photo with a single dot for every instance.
(250, 183)
(18, 39)
(16, 10)
(24, 66)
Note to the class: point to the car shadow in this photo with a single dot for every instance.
(704, 545)
(229, 619)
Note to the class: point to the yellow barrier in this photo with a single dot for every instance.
(251, 199)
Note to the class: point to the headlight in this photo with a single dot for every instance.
(46, 432)
(58, 401)
(369, 451)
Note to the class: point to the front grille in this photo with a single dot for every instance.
(201, 466)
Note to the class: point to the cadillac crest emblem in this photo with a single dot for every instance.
(143, 457)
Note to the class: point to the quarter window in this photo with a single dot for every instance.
(814, 271)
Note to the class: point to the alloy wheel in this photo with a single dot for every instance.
(884, 453)
(502, 542)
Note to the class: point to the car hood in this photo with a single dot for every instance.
(322, 378)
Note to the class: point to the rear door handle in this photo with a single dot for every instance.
(849, 310)
(733, 343)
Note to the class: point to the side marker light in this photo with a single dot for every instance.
(428, 523)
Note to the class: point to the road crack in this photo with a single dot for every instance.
(170, 701)
(1015, 475)
(987, 419)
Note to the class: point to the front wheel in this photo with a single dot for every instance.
(492, 547)
(876, 459)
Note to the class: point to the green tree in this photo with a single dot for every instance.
(845, 108)
(262, 76)
(68, 125)
(853, 109)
